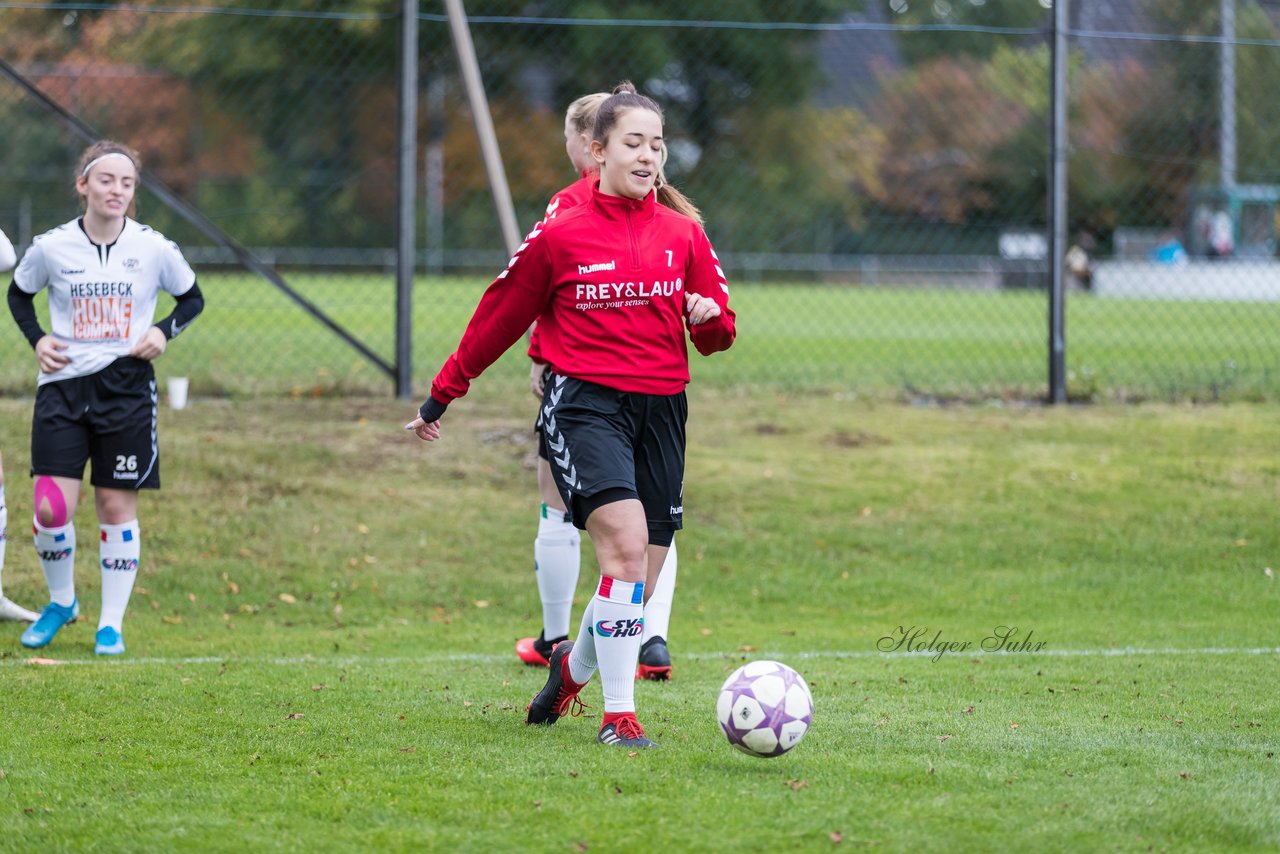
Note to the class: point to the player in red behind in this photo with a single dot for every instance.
(556, 550)
(613, 285)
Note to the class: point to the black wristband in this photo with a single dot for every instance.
(431, 410)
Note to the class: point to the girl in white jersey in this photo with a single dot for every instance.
(8, 610)
(96, 392)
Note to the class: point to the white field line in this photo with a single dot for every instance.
(490, 658)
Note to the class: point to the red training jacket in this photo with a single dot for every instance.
(577, 193)
(606, 283)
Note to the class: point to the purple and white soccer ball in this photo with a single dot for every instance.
(765, 708)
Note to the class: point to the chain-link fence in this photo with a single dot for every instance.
(873, 174)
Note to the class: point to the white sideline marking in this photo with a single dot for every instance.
(487, 658)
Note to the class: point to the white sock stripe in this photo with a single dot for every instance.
(117, 533)
(625, 592)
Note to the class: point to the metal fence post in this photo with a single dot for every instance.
(406, 254)
(1227, 84)
(488, 138)
(1058, 207)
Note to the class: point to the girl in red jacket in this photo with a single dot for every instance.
(613, 285)
(556, 552)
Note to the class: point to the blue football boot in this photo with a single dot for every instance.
(52, 618)
(108, 641)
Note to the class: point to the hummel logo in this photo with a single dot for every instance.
(79, 272)
(583, 269)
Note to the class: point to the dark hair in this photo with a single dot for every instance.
(625, 98)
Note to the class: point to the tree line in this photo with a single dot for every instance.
(283, 128)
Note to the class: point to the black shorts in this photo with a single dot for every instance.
(108, 417)
(597, 439)
(537, 424)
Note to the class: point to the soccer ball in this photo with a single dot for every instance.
(764, 708)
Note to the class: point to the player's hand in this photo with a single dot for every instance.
(536, 374)
(49, 354)
(428, 431)
(151, 345)
(700, 309)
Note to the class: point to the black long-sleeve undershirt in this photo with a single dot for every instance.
(22, 306)
(187, 306)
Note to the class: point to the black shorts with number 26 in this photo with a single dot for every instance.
(108, 417)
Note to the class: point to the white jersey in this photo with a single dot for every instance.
(7, 256)
(102, 299)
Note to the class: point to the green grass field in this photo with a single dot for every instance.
(883, 343)
(320, 643)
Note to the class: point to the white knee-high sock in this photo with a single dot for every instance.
(618, 624)
(120, 549)
(657, 611)
(56, 548)
(556, 559)
(582, 658)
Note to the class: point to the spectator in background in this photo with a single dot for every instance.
(556, 550)
(1079, 266)
(96, 392)
(1221, 235)
(1170, 251)
(613, 285)
(9, 610)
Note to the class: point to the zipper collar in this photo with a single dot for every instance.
(621, 208)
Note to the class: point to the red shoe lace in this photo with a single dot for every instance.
(628, 728)
(575, 707)
(567, 701)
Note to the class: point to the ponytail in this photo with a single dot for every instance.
(670, 197)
